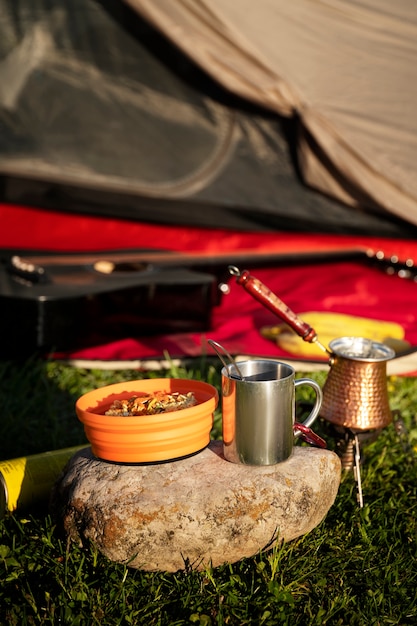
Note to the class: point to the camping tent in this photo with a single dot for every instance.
(213, 113)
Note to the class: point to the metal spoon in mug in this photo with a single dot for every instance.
(220, 350)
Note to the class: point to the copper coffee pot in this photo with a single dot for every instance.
(355, 394)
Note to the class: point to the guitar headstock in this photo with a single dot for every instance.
(393, 265)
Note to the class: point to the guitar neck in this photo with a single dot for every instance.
(168, 258)
(112, 260)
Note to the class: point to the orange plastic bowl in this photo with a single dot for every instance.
(147, 438)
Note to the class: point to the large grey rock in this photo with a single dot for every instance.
(193, 512)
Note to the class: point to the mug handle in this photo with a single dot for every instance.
(317, 405)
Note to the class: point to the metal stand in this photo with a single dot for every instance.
(348, 447)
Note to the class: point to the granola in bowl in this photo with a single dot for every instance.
(151, 404)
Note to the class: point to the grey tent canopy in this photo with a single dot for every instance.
(253, 116)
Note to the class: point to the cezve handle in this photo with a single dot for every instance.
(265, 296)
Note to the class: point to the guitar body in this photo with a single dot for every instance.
(57, 306)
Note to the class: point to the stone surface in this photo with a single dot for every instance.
(193, 512)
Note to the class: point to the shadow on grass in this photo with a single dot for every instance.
(37, 409)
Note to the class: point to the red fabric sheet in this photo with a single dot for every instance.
(351, 287)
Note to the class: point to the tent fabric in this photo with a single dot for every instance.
(176, 112)
(346, 68)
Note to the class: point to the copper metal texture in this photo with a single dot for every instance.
(355, 393)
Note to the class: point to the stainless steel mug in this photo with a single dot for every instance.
(259, 411)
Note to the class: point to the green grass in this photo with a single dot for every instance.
(358, 567)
